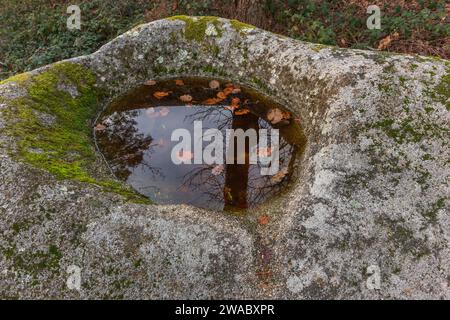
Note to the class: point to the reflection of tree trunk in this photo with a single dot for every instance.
(236, 175)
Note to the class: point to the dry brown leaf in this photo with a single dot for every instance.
(235, 101)
(263, 219)
(179, 82)
(236, 90)
(212, 101)
(386, 42)
(214, 84)
(241, 112)
(160, 94)
(186, 98)
(217, 169)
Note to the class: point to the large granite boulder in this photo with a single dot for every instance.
(370, 201)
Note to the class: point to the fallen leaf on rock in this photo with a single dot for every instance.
(100, 127)
(217, 170)
(214, 84)
(263, 219)
(179, 82)
(160, 94)
(150, 83)
(186, 98)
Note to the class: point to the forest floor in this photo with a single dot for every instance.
(34, 33)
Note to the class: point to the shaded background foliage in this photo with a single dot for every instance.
(33, 32)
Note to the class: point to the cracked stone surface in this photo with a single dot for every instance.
(372, 184)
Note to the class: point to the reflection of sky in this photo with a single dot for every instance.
(167, 187)
(160, 128)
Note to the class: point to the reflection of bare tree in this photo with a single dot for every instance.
(239, 185)
(124, 146)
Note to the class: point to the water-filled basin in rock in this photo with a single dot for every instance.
(135, 136)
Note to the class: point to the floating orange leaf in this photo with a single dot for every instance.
(186, 98)
(179, 82)
(160, 94)
(227, 91)
(221, 95)
(235, 101)
(211, 101)
(214, 84)
(265, 152)
(241, 112)
(217, 170)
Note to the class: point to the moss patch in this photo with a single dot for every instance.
(240, 26)
(64, 146)
(195, 28)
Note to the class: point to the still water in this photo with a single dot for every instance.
(134, 135)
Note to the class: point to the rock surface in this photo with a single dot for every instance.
(370, 198)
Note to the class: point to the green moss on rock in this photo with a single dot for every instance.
(195, 28)
(241, 26)
(64, 147)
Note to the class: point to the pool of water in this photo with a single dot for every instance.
(135, 136)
